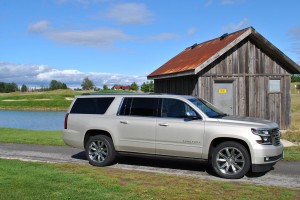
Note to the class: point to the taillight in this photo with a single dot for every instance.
(66, 121)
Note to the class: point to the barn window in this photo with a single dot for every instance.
(274, 85)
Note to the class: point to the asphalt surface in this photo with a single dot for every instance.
(284, 174)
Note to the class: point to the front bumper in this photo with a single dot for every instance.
(264, 157)
(267, 166)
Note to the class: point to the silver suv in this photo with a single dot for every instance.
(171, 126)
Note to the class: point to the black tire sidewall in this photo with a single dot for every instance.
(242, 149)
(111, 150)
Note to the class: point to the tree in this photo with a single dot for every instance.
(295, 78)
(64, 86)
(134, 86)
(145, 87)
(105, 87)
(55, 85)
(148, 86)
(2, 87)
(151, 86)
(87, 84)
(24, 88)
(10, 87)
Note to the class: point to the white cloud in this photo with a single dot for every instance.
(163, 36)
(100, 38)
(234, 27)
(103, 38)
(192, 31)
(39, 26)
(41, 75)
(130, 13)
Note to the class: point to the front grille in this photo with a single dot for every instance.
(275, 136)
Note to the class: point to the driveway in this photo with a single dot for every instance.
(284, 174)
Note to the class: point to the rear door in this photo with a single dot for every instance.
(136, 124)
(177, 134)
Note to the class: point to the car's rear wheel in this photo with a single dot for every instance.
(100, 150)
(230, 160)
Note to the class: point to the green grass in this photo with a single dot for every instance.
(28, 180)
(293, 133)
(21, 136)
(57, 100)
(292, 153)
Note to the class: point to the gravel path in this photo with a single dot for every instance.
(284, 174)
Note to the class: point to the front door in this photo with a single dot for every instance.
(176, 134)
(223, 96)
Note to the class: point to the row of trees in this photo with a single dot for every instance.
(13, 87)
(8, 87)
(87, 84)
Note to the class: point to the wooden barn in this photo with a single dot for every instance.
(241, 73)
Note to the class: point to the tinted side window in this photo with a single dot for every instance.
(91, 105)
(139, 106)
(176, 109)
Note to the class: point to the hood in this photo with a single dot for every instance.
(260, 123)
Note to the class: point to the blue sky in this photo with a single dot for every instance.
(118, 42)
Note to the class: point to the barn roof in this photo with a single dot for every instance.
(195, 58)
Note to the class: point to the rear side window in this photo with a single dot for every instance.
(140, 107)
(91, 105)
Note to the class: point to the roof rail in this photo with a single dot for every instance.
(126, 93)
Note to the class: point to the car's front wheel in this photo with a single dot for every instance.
(230, 160)
(100, 150)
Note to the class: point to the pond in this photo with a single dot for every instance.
(33, 120)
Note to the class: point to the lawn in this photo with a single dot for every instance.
(58, 100)
(293, 133)
(29, 180)
(21, 136)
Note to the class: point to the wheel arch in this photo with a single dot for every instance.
(94, 132)
(215, 142)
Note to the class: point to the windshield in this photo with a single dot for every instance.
(207, 108)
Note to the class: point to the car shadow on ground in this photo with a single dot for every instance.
(166, 163)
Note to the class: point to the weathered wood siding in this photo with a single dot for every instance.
(185, 85)
(250, 69)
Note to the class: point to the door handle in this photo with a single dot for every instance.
(163, 124)
(124, 122)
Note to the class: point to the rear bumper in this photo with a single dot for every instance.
(73, 138)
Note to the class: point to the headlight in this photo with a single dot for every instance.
(264, 133)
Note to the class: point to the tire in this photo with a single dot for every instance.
(100, 150)
(230, 160)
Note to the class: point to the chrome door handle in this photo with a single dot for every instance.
(124, 122)
(163, 124)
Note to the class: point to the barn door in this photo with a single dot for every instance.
(223, 96)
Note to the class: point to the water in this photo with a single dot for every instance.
(34, 120)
